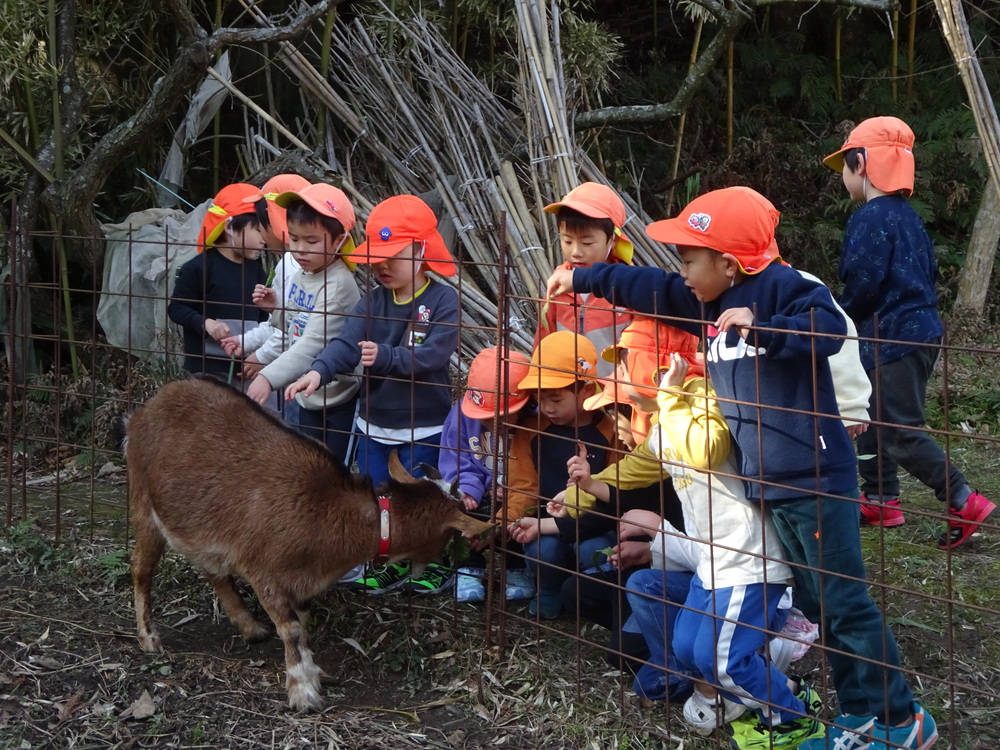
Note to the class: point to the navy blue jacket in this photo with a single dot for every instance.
(763, 384)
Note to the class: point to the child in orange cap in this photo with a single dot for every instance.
(403, 333)
(776, 392)
(590, 220)
(889, 270)
(212, 295)
(561, 375)
(318, 298)
(468, 444)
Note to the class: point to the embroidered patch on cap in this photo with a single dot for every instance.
(385, 234)
(331, 206)
(700, 221)
(476, 396)
(582, 364)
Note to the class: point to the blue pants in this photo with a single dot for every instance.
(823, 533)
(719, 635)
(551, 559)
(373, 456)
(332, 426)
(650, 593)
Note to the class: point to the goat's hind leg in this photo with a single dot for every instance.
(250, 628)
(149, 546)
(302, 678)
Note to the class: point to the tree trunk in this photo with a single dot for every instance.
(974, 280)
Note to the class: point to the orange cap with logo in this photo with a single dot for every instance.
(649, 344)
(599, 202)
(398, 222)
(735, 220)
(329, 201)
(888, 145)
(561, 359)
(228, 202)
(482, 389)
(280, 183)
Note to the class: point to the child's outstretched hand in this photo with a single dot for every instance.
(232, 346)
(631, 554)
(369, 352)
(560, 282)
(260, 389)
(216, 329)
(674, 377)
(578, 468)
(469, 501)
(265, 298)
(525, 530)
(306, 385)
(740, 318)
(638, 523)
(556, 506)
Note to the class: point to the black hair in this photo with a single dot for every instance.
(851, 157)
(577, 222)
(302, 213)
(625, 409)
(241, 221)
(260, 208)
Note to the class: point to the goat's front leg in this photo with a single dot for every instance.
(302, 678)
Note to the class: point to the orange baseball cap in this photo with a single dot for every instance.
(649, 344)
(599, 202)
(482, 389)
(734, 220)
(281, 183)
(888, 144)
(559, 360)
(228, 202)
(398, 222)
(327, 200)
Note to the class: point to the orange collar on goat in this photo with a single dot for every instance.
(383, 530)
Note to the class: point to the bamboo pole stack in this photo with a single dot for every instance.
(420, 121)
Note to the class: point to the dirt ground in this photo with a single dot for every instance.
(421, 672)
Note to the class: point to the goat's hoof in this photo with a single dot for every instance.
(325, 678)
(304, 698)
(255, 632)
(151, 643)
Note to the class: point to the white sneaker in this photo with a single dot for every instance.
(353, 574)
(469, 585)
(706, 715)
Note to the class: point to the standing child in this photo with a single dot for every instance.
(318, 298)
(561, 376)
(777, 395)
(888, 268)
(212, 297)
(403, 332)
(590, 220)
(468, 446)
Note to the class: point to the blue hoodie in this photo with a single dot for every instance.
(465, 447)
(764, 385)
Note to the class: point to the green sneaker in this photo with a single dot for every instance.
(435, 579)
(750, 733)
(380, 579)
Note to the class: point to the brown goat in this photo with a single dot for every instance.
(239, 493)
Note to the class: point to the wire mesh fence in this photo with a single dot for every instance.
(594, 592)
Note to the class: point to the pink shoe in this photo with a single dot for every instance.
(881, 514)
(963, 524)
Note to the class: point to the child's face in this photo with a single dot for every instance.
(248, 242)
(623, 426)
(582, 249)
(312, 246)
(705, 272)
(564, 406)
(403, 272)
(645, 403)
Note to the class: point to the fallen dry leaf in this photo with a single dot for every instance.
(142, 708)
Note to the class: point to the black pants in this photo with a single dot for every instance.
(899, 389)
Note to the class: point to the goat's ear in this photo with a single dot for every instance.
(430, 472)
(453, 490)
(397, 471)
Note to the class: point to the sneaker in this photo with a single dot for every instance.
(520, 584)
(352, 575)
(383, 578)
(705, 715)
(546, 606)
(846, 732)
(964, 523)
(435, 579)
(750, 733)
(919, 735)
(889, 513)
(469, 585)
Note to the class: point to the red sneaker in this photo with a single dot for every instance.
(963, 524)
(881, 514)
